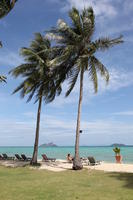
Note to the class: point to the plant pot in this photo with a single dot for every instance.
(118, 158)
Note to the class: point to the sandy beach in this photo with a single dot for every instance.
(62, 165)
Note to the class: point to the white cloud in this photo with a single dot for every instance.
(20, 132)
(118, 79)
(101, 7)
(115, 29)
(124, 113)
(128, 6)
(9, 58)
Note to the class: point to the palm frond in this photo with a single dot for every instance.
(76, 20)
(88, 20)
(6, 6)
(101, 68)
(2, 78)
(72, 80)
(106, 43)
(93, 75)
(21, 69)
(1, 44)
(31, 54)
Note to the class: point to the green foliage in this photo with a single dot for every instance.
(117, 150)
(2, 78)
(76, 48)
(6, 6)
(38, 78)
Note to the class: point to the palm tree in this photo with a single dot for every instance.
(6, 6)
(76, 55)
(38, 80)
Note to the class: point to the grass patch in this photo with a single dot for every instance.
(27, 184)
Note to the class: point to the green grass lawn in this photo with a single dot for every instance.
(27, 184)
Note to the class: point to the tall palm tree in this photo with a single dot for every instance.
(6, 6)
(76, 55)
(38, 80)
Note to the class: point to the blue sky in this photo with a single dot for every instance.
(106, 117)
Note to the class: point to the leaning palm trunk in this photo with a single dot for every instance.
(35, 153)
(77, 162)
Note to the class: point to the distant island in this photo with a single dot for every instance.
(51, 144)
(118, 145)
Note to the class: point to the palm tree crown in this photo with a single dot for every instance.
(77, 49)
(76, 55)
(37, 75)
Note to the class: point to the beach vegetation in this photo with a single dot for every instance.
(37, 79)
(77, 55)
(6, 6)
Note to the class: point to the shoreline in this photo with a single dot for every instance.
(62, 165)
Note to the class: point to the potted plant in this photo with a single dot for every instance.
(118, 157)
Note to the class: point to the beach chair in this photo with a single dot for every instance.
(46, 159)
(1, 157)
(18, 157)
(25, 158)
(84, 160)
(92, 161)
(6, 157)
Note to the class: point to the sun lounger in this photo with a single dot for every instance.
(18, 157)
(46, 159)
(25, 158)
(6, 157)
(84, 161)
(92, 161)
(1, 157)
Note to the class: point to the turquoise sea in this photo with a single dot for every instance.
(100, 153)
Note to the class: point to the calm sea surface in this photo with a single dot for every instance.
(100, 153)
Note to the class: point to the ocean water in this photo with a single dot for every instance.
(100, 153)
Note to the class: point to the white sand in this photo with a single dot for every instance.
(58, 165)
(12, 163)
(113, 167)
(62, 165)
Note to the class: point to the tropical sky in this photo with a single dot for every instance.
(107, 117)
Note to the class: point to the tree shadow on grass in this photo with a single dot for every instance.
(127, 178)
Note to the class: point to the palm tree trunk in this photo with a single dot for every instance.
(77, 162)
(35, 153)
